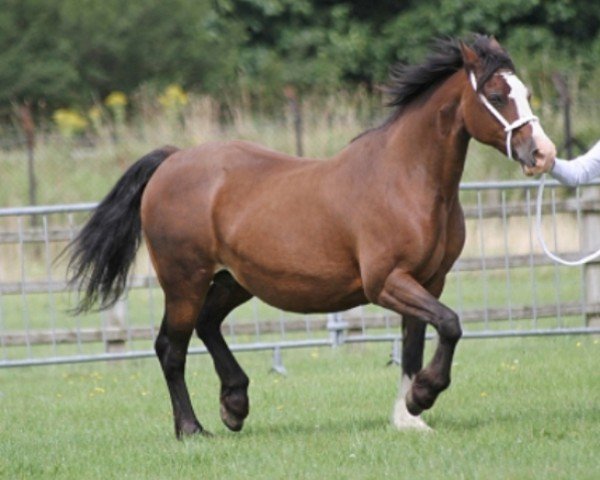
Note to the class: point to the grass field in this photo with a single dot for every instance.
(518, 409)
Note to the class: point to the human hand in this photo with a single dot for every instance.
(543, 164)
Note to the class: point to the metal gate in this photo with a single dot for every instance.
(501, 286)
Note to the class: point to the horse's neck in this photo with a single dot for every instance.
(431, 141)
(426, 146)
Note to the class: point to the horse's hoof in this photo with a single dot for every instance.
(234, 410)
(231, 420)
(402, 419)
(413, 407)
(187, 430)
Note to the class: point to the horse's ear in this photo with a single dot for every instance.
(470, 58)
(495, 44)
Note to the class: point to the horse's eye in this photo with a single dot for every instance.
(496, 99)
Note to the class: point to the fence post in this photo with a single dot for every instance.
(277, 366)
(562, 87)
(337, 329)
(590, 238)
(115, 339)
(396, 355)
(28, 126)
(290, 93)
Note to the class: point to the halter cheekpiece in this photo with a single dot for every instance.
(508, 127)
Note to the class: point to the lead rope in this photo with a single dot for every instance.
(508, 128)
(540, 236)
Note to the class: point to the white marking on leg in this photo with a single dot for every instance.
(401, 417)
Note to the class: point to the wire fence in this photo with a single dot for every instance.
(501, 286)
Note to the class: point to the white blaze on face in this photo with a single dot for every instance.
(518, 93)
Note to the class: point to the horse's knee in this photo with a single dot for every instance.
(449, 326)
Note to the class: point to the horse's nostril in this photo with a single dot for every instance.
(535, 154)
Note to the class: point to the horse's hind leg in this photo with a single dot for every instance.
(171, 348)
(413, 343)
(224, 295)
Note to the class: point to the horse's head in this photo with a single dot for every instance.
(496, 106)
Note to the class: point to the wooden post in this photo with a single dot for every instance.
(590, 238)
(28, 126)
(562, 87)
(290, 94)
(115, 332)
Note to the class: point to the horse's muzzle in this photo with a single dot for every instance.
(536, 152)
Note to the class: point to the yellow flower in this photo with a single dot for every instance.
(116, 99)
(95, 113)
(69, 122)
(173, 97)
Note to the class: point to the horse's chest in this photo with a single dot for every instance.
(441, 244)
(431, 246)
(432, 260)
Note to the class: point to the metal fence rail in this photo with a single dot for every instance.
(501, 286)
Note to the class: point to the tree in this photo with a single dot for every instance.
(67, 52)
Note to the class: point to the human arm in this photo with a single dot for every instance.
(574, 172)
(580, 170)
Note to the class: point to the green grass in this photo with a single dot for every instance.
(518, 408)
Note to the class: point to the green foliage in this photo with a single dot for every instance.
(65, 51)
(70, 52)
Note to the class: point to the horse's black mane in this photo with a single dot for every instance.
(408, 81)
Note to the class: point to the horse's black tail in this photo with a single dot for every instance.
(103, 251)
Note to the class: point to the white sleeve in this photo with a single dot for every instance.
(580, 170)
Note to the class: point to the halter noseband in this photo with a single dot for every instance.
(508, 127)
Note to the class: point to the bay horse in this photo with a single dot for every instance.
(380, 222)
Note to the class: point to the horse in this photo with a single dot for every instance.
(380, 222)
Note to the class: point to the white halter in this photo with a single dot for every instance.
(508, 127)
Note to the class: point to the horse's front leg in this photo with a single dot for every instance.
(404, 295)
(413, 343)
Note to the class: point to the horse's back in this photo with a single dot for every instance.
(256, 212)
(180, 197)
(190, 180)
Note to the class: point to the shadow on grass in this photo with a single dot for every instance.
(547, 419)
(286, 428)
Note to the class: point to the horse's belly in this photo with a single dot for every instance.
(302, 293)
